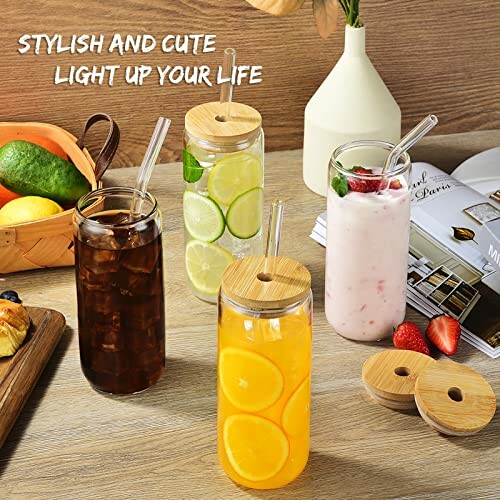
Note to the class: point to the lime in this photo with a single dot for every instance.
(203, 218)
(26, 209)
(233, 175)
(244, 217)
(205, 264)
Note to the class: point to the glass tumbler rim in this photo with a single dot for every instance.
(406, 165)
(265, 313)
(103, 193)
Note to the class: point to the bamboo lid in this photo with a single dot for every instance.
(454, 399)
(207, 122)
(245, 283)
(391, 375)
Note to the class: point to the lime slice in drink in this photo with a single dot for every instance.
(203, 218)
(244, 217)
(233, 175)
(205, 264)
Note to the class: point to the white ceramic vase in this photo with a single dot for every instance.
(351, 104)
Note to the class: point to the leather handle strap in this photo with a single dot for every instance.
(108, 151)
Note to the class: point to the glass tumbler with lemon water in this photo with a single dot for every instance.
(223, 169)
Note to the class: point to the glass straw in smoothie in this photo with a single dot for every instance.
(226, 90)
(409, 140)
(273, 239)
(148, 163)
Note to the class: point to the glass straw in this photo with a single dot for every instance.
(148, 163)
(273, 237)
(409, 140)
(226, 90)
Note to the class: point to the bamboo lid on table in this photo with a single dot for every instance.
(390, 376)
(207, 122)
(454, 399)
(246, 283)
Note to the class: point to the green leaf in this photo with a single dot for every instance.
(192, 170)
(339, 185)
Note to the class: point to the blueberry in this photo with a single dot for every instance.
(11, 295)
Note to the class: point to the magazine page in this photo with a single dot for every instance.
(451, 213)
(456, 293)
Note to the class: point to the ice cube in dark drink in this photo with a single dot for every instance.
(119, 278)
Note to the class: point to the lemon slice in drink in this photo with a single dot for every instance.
(233, 175)
(244, 217)
(256, 448)
(203, 218)
(205, 264)
(250, 381)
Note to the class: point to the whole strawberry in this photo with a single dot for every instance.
(444, 332)
(408, 336)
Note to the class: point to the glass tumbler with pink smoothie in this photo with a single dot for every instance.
(367, 241)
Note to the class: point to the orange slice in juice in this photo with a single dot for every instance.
(256, 448)
(250, 381)
(297, 410)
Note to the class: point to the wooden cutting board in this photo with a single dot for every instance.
(19, 373)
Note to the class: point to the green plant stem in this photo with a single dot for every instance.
(351, 11)
(345, 7)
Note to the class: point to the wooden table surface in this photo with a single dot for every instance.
(71, 442)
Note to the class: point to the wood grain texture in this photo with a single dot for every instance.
(20, 372)
(286, 282)
(438, 57)
(201, 122)
(392, 374)
(455, 398)
(70, 442)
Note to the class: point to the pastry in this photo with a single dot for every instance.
(14, 325)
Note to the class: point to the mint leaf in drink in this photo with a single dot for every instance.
(191, 169)
(339, 185)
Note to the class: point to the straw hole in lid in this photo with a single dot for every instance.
(266, 277)
(221, 118)
(455, 394)
(402, 371)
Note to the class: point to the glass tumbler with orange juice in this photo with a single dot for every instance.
(264, 371)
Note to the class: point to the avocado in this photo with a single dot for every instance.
(30, 170)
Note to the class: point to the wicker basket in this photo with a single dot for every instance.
(49, 242)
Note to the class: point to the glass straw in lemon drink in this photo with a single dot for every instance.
(226, 90)
(223, 171)
(148, 163)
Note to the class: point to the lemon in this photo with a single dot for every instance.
(250, 381)
(233, 175)
(26, 209)
(256, 448)
(205, 264)
(296, 414)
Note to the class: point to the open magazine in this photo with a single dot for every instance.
(447, 271)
